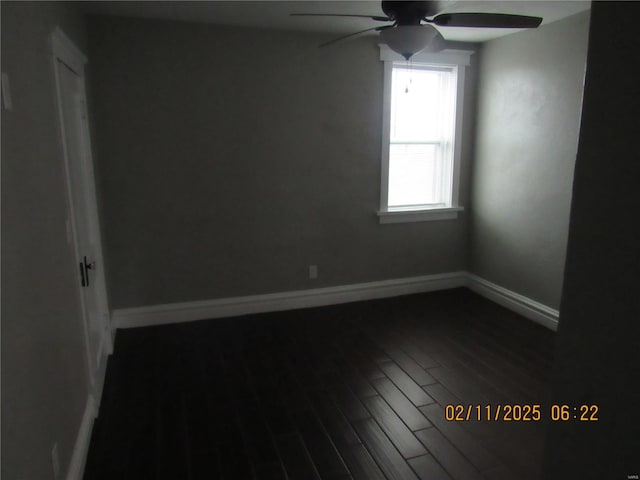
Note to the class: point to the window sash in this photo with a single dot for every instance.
(420, 173)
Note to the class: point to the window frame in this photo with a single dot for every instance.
(445, 58)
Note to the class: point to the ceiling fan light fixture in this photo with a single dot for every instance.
(407, 40)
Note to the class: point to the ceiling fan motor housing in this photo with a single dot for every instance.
(408, 13)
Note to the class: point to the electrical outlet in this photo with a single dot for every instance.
(313, 272)
(55, 462)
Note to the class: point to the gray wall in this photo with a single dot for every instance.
(596, 360)
(529, 99)
(231, 159)
(44, 378)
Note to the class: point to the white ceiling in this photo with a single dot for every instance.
(276, 14)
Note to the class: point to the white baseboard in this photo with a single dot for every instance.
(520, 304)
(81, 447)
(229, 307)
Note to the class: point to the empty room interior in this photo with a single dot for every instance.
(320, 240)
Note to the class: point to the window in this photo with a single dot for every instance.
(421, 135)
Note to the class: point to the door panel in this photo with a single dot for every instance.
(83, 215)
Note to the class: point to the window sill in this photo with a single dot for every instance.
(426, 215)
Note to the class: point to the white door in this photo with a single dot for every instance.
(84, 225)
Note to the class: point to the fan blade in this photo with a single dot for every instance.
(486, 20)
(372, 17)
(344, 37)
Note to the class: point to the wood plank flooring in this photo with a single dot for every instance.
(355, 391)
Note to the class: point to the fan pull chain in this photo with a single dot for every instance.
(410, 70)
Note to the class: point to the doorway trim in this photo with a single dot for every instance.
(65, 51)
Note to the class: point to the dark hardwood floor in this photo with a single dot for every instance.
(353, 391)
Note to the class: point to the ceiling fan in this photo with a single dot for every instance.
(412, 29)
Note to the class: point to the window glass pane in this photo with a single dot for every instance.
(415, 175)
(416, 104)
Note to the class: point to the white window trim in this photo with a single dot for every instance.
(461, 59)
